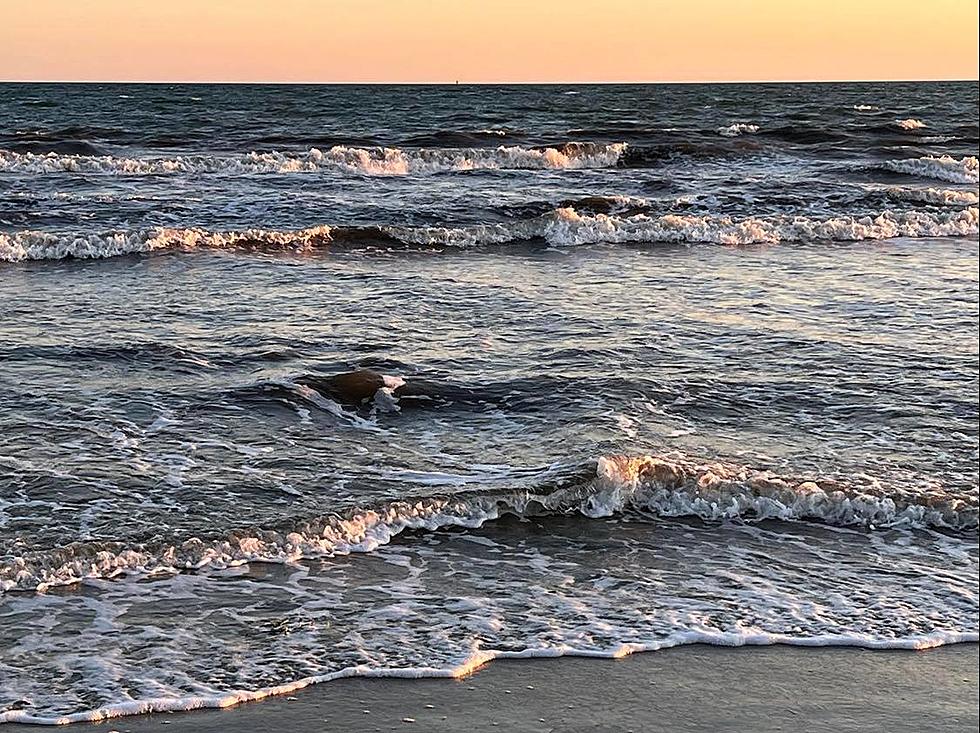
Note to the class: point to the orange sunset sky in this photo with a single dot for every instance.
(493, 41)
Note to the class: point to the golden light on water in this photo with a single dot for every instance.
(476, 660)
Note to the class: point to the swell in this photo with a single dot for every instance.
(868, 198)
(489, 137)
(803, 135)
(149, 354)
(70, 140)
(670, 485)
(389, 385)
(377, 391)
(561, 227)
(33, 148)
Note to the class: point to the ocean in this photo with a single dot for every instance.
(633, 366)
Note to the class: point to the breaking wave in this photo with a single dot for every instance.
(567, 227)
(666, 486)
(936, 196)
(738, 128)
(910, 124)
(944, 168)
(32, 245)
(378, 161)
(561, 227)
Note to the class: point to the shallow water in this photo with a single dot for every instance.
(672, 393)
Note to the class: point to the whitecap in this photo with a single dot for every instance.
(943, 168)
(910, 124)
(738, 128)
(561, 227)
(669, 485)
(340, 158)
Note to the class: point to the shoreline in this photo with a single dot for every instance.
(693, 687)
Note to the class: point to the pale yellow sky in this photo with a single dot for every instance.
(491, 41)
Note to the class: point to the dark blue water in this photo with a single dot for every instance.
(569, 370)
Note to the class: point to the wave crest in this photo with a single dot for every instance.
(561, 227)
(669, 485)
(568, 227)
(943, 168)
(738, 128)
(677, 486)
(366, 161)
(910, 124)
(33, 245)
(937, 196)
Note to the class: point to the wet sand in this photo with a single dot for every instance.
(693, 688)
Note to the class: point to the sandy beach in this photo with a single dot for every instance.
(694, 688)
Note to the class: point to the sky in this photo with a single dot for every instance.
(487, 40)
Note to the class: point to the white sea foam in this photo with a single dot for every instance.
(34, 245)
(672, 486)
(303, 626)
(680, 486)
(366, 161)
(941, 196)
(385, 398)
(561, 227)
(481, 657)
(738, 128)
(944, 168)
(865, 108)
(911, 124)
(567, 227)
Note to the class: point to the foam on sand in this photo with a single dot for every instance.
(473, 662)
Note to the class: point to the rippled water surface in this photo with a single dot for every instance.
(638, 366)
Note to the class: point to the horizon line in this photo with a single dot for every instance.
(493, 83)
